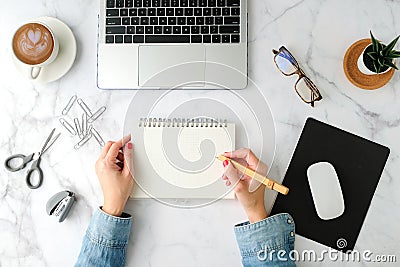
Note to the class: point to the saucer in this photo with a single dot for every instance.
(66, 55)
(355, 76)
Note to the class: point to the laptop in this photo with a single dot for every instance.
(159, 44)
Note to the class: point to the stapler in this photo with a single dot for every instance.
(60, 204)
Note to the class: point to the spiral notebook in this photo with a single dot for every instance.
(176, 158)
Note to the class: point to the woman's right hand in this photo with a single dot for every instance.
(249, 191)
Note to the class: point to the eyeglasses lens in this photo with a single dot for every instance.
(305, 89)
(286, 63)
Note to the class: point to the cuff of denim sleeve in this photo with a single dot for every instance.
(273, 233)
(108, 230)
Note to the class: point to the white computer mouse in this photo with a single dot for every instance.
(326, 191)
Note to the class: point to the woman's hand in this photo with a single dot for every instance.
(115, 173)
(249, 191)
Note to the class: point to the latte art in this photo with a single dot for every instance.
(33, 43)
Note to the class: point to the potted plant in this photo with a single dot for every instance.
(378, 58)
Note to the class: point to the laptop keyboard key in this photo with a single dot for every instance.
(156, 3)
(232, 2)
(231, 20)
(202, 3)
(128, 3)
(153, 21)
(185, 29)
(113, 21)
(147, 3)
(142, 12)
(112, 13)
(235, 11)
(139, 29)
(151, 12)
(206, 38)
(119, 39)
(158, 29)
(217, 11)
(133, 12)
(115, 30)
(176, 30)
(214, 29)
(219, 20)
(205, 29)
(160, 12)
(226, 38)
(137, 3)
(149, 29)
(110, 3)
(138, 38)
(170, 12)
(212, 3)
(198, 12)
(167, 29)
(191, 21)
(209, 20)
(184, 3)
(188, 11)
(165, 3)
(162, 21)
(221, 3)
(181, 21)
(135, 21)
(226, 11)
(195, 29)
(178, 11)
(109, 39)
(200, 21)
(175, 3)
(127, 39)
(196, 38)
(126, 21)
(229, 29)
(167, 38)
(144, 21)
(235, 38)
(130, 29)
(172, 21)
(193, 3)
(124, 12)
(207, 12)
(120, 3)
(216, 38)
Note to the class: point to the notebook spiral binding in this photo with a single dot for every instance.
(182, 122)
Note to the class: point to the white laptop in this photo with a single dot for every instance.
(156, 44)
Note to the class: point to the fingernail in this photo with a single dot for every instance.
(225, 163)
(130, 145)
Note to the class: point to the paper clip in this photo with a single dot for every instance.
(85, 108)
(68, 107)
(97, 136)
(67, 126)
(83, 141)
(97, 114)
(78, 127)
(84, 124)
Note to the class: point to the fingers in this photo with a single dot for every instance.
(242, 153)
(231, 174)
(106, 149)
(128, 162)
(115, 147)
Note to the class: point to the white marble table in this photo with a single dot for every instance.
(317, 32)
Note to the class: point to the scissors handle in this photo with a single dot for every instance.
(8, 164)
(34, 169)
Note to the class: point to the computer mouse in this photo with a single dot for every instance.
(326, 191)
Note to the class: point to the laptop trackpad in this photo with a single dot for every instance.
(171, 66)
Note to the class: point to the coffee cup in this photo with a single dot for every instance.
(35, 45)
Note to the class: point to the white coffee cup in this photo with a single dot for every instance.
(35, 45)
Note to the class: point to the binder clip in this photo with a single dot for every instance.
(60, 204)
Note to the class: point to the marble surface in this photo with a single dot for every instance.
(318, 33)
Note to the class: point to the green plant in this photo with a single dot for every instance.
(382, 55)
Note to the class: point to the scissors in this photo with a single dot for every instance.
(35, 168)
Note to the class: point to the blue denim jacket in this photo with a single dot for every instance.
(260, 243)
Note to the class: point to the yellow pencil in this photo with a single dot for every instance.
(271, 184)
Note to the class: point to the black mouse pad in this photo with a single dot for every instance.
(359, 164)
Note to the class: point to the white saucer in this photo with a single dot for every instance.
(66, 55)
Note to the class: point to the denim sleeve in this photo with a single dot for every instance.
(105, 241)
(268, 242)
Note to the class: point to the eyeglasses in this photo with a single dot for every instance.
(288, 65)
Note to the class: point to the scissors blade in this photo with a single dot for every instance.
(49, 141)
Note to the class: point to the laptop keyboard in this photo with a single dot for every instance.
(172, 21)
